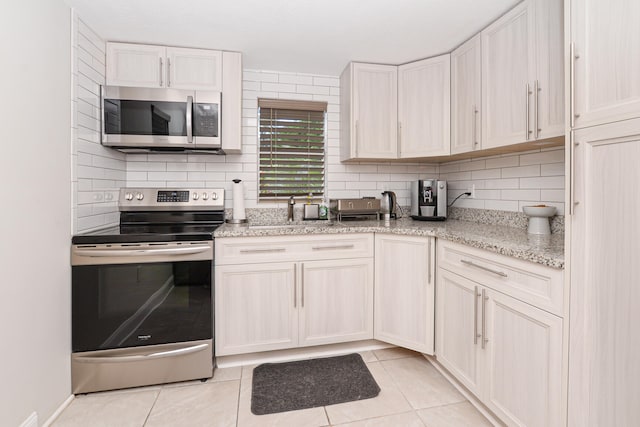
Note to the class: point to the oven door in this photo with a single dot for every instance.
(131, 295)
(147, 118)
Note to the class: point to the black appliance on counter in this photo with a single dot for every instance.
(429, 200)
(142, 292)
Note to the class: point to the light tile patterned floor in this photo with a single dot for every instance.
(413, 393)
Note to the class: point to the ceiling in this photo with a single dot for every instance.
(303, 36)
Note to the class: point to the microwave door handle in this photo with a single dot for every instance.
(189, 119)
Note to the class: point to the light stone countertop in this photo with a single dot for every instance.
(509, 241)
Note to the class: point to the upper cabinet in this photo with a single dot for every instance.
(390, 112)
(159, 66)
(466, 97)
(605, 41)
(522, 75)
(423, 108)
(368, 108)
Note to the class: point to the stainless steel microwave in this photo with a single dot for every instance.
(147, 119)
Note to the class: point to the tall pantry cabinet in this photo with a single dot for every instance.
(604, 152)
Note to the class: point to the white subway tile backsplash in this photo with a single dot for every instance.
(521, 171)
(533, 195)
(312, 90)
(543, 182)
(326, 81)
(552, 169)
(296, 79)
(169, 176)
(485, 174)
(501, 183)
(502, 162)
(554, 156)
(278, 87)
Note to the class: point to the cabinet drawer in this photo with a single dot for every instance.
(532, 283)
(240, 250)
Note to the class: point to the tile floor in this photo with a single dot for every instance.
(413, 393)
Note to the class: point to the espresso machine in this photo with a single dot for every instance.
(429, 200)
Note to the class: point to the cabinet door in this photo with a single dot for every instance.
(423, 108)
(232, 102)
(255, 308)
(507, 64)
(548, 108)
(336, 301)
(458, 340)
(604, 348)
(523, 366)
(405, 291)
(606, 36)
(135, 65)
(375, 116)
(197, 69)
(465, 97)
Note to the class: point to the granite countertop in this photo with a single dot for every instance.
(509, 241)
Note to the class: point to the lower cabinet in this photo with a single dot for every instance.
(261, 306)
(405, 291)
(255, 308)
(505, 351)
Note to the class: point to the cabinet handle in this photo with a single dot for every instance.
(572, 176)
(160, 72)
(474, 127)
(429, 263)
(485, 340)
(476, 335)
(482, 267)
(189, 119)
(260, 251)
(302, 284)
(526, 112)
(324, 248)
(399, 145)
(295, 285)
(536, 129)
(168, 72)
(572, 84)
(357, 135)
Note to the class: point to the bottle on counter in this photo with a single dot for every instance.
(324, 208)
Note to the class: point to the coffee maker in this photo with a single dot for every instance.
(429, 200)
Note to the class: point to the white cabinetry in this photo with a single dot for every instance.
(423, 108)
(336, 301)
(405, 291)
(605, 38)
(604, 350)
(505, 350)
(255, 307)
(232, 102)
(159, 66)
(369, 114)
(522, 75)
(315, 292)
(466, 97)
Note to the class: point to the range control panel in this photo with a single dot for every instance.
(143, 199)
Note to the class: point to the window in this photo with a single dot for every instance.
(291, 154)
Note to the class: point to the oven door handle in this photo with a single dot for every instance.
(187, 250)
(139, 357)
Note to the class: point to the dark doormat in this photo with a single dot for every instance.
(281, 387)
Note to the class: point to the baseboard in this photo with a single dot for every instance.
(300, 353)
(58, 411)
(466, 393)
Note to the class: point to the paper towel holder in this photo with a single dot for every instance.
(236, 221)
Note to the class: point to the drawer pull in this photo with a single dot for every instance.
(261, 251)
(481, 267)
(324, 248)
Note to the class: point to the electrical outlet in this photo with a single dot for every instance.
(472, 190)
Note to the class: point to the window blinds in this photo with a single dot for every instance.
(292, 148)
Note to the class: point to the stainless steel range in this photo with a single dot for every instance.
(142, 291)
